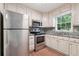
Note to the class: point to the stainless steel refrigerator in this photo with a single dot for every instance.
(15, 34)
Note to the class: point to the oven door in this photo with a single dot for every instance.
(39, 43)
(40, 39)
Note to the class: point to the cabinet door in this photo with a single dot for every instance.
(47, 40)
(11, 7)
(54, 42)
(39, 18)
(34, 15)
(75, 13)
(60, 45)
(31, 43)
(1, 6)
(21, 9)
(73, 50)
(51, 42)
(31, 48)
(63, 46)
(45, 22)
(51, 20)
(77, 50)
(66, 47)
(29, 16)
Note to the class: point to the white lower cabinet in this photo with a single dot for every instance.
(63, 46)
(54, 42)
(51, 41)
(48, 40)
(73, 49)
(77, 50)
(31, 48)
(31, 43)
(60, 45)
(66, 47)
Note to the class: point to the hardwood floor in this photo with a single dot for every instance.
(46, 52)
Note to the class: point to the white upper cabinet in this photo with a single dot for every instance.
(11, 7)
(33, 15)
(52, 20)
(48, 20)
(29, 13)
(36, 15)
(75, 14)
(16, 8)
(21, 9)
(1, 6)
(45, 21)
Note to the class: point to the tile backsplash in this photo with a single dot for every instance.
(76, 28)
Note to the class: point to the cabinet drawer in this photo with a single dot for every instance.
(31, 42)
(31, 47)
(74, 40)
(31, 37)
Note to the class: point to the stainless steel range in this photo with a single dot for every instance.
(39, 42)
(38, 32)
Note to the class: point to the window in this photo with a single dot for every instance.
(64, 22)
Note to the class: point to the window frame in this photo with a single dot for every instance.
(64, 13)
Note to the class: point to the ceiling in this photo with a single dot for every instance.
(43, 7)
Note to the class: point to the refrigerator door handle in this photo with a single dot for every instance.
(7, 38)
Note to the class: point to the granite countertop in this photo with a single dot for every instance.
(62, 34)
(65, 34)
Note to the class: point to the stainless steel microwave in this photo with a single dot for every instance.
(36, 24)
